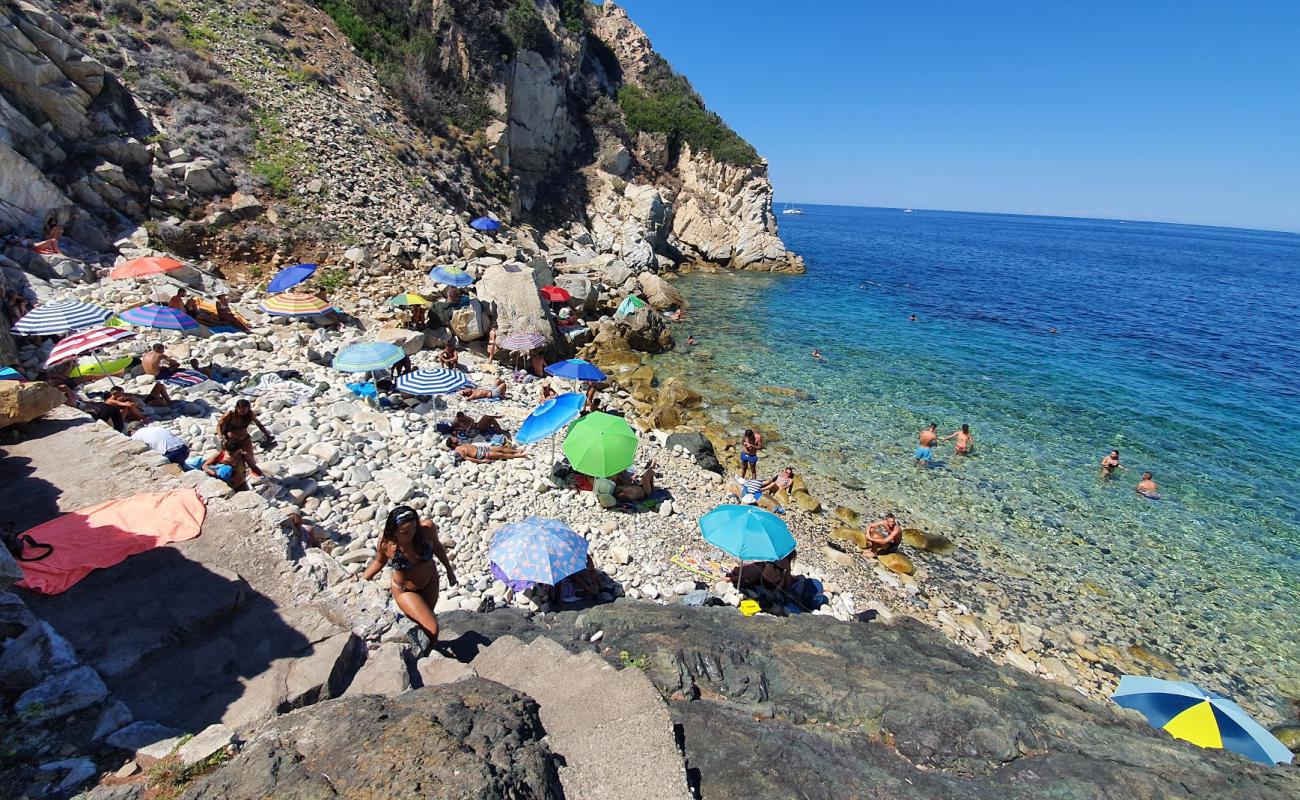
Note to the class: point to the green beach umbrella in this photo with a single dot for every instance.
(600, 445)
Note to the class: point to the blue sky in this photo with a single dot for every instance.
(1176, 111)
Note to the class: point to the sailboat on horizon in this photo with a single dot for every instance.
(789, 209)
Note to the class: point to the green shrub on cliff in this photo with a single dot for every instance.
(668, 104)
(525, 28)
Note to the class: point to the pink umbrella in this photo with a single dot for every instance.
(87, 342)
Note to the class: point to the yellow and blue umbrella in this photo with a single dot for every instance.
(1203, 718)
(407, 299)
(368, 357)
(538, 550)
(295, 304)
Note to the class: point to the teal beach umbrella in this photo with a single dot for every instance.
(747, 532)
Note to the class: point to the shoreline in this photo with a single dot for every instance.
(1031, 614)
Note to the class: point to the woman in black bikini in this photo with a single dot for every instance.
(232, 428)
(410, 545)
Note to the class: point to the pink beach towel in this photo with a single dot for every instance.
(103, 535)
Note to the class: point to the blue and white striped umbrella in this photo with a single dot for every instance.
(539, 550)
(61, 316)
(164, 318)
(433, 381)
(368, 357)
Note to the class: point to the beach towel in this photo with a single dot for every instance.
(103, 535)
(698, 563)
(185, 378)
(271, 386)
(651, 503)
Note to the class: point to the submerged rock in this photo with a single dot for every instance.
(929, 542)
(897, 562)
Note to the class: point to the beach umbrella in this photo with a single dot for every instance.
(577, 369)
(59, 317)
(433, 381)
(538, 550)
(522, 341)
(550, 417)
(555, 294)
(368, 357)
(290, 277)
(451, 276)
(747, 532)
(1203, 718)
(407, 299)
(295, 304)
(164, 318)
(485, 224)
(630, 303)
(11, 374)
(600, 445)
(140, 267)
(86, 342)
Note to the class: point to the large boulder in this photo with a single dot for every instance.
(24, 402)
(470, 323)
(410, 341)
(472, 738)
(582, 293)
(698, 447)
(659, 293)
(646, 331)
(510, 291)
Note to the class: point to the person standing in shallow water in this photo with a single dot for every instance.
(1111, 463)
(965, 443)
(410, 545)
(925, 444)
(750, 444)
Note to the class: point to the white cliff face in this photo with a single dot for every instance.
(540, 131)
(67, 131)
(723, 214)
(633, 223)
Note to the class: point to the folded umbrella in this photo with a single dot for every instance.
(577, 369)
(61, 316)
(600, 445)
(550, 417)
(368, 357)
(485, 224)
(538, 550)
(86, 342)
(294, 304)
(140, 267)
(433, 381)
(158, 316)
(451, 276)
(289, 277)
(1203, 718)
(555, 294)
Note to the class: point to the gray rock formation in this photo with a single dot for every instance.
(24, 402)
(873, 709)
(510, 292)
(70, 135)
(469, 739)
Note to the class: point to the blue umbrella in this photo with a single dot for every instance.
(451, 276)
(485, 224)
(61, 316)
(576, 369)
(164, 318)
(747, 532)
(11, 374)
(1203, 718)
(368, 357)
(539, 550)
(290, 277)
(550, 417)
(432, 381)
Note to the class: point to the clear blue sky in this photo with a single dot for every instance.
(1156, 110)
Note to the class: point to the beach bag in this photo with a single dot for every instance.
(604, 489)
(15, 543)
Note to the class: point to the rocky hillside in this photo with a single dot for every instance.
(246, 131)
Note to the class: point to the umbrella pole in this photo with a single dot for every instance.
(111, 382)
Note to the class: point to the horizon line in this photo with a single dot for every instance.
(1295, 232)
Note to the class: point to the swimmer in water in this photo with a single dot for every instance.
(1053, 331)
(965, 443)
(1111, 463)
(925, 445)
(690, 340)
(913, 319)
(817, 355)
(1147, 486)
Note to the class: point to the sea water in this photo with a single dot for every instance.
(1178, 345)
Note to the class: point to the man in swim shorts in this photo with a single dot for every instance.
(925, 445)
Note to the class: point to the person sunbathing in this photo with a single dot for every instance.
(497, 392)
(467, 428)
(125, 404)
(641, 489)
(157, 363)
(227, 316)
(768, 574)
(483, 453)
(545, 391)
(750, 493)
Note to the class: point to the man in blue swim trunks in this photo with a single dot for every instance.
(925, 448)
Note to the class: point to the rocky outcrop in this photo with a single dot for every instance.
(889, 706)
(541, 132)
(70, 134)
(510, 292)
(470, 739)
(24, 402)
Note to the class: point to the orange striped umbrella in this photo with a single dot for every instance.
(140, 267)
(294, 304)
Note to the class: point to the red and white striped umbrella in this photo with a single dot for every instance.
(86, 341)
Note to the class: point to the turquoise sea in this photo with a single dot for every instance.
(1179, 345)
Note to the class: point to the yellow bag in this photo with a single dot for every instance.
(750, 607)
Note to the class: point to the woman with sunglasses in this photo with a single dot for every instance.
(410, 545)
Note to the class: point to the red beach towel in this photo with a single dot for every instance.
(103, 535)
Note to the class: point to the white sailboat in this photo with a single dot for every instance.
(789, 209)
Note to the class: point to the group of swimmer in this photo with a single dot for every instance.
(1145, 487)
(963, 446)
